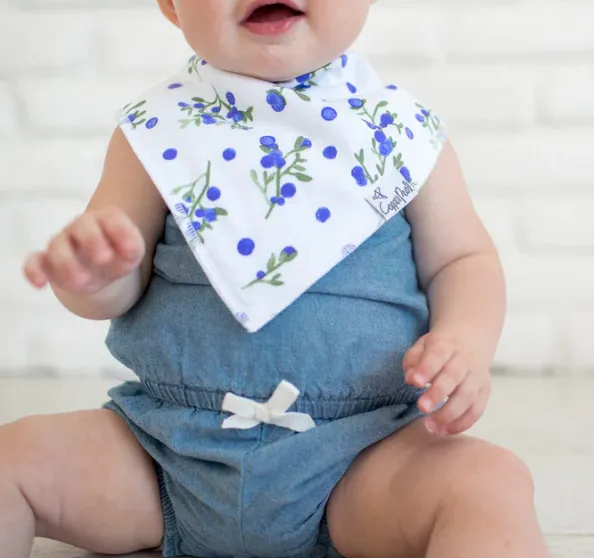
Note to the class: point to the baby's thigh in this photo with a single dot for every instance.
(390, 499)
(88, 481)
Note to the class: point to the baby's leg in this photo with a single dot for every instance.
(417, 495)
(80, 478)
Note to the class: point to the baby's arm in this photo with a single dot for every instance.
(100, 265)
(460, 270)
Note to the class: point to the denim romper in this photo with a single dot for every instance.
(262, 492)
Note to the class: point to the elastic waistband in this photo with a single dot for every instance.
(317, 409)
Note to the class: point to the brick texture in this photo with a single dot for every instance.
(513, 79)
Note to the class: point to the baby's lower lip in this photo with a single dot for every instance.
(273, 27)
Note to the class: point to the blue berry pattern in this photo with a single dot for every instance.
(194, 205)
(195, 63)
(220, 111)
(136, 114)
(279, 167)
(271, 275)
(281, 163)
(381, 122)
(430, 122)
(276, 98)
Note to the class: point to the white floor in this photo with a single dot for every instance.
(548, 422)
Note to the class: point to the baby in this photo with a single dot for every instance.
(294, 270)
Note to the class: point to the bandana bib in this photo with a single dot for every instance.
(273, 184)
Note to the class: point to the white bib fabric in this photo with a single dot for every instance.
(273, 184)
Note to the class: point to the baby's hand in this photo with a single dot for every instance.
(91, 253)
(448, 368)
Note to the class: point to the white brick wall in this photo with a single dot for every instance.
(514, 79)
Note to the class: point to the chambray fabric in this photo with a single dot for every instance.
(262, 492)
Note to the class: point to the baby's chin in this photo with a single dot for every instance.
(275, 63)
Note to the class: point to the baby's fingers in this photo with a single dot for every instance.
(463, 398)
(435, 357)
(90, 241)
(412, 358)
(444, 384)
(471, 416)
(123, 235)
(35, 270)
(63, 266)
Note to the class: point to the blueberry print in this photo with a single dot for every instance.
(330, 152)
(267, 141)
(235, 115)
(278, 165)
(194, 64)
(386, 148)
(267, 161)
(271, 276)
(194, 195)
(379, 136)
(170, 154)
(229, 154)
(356, 103)
(246, 247)
(360, 176)
(136, 115)
(386, 119)
(329, 114)
(323, 214)
(431, 123)
(175, 85)
(288, 190)
(213, 194)
(383, 143)
(276, 100)
(220, 111)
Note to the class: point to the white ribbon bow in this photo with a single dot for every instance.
(248, 414)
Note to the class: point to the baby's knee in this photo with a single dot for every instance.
(24, 446)
(10, 446)
(488, 471)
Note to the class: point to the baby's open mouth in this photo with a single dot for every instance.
(272, 13)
